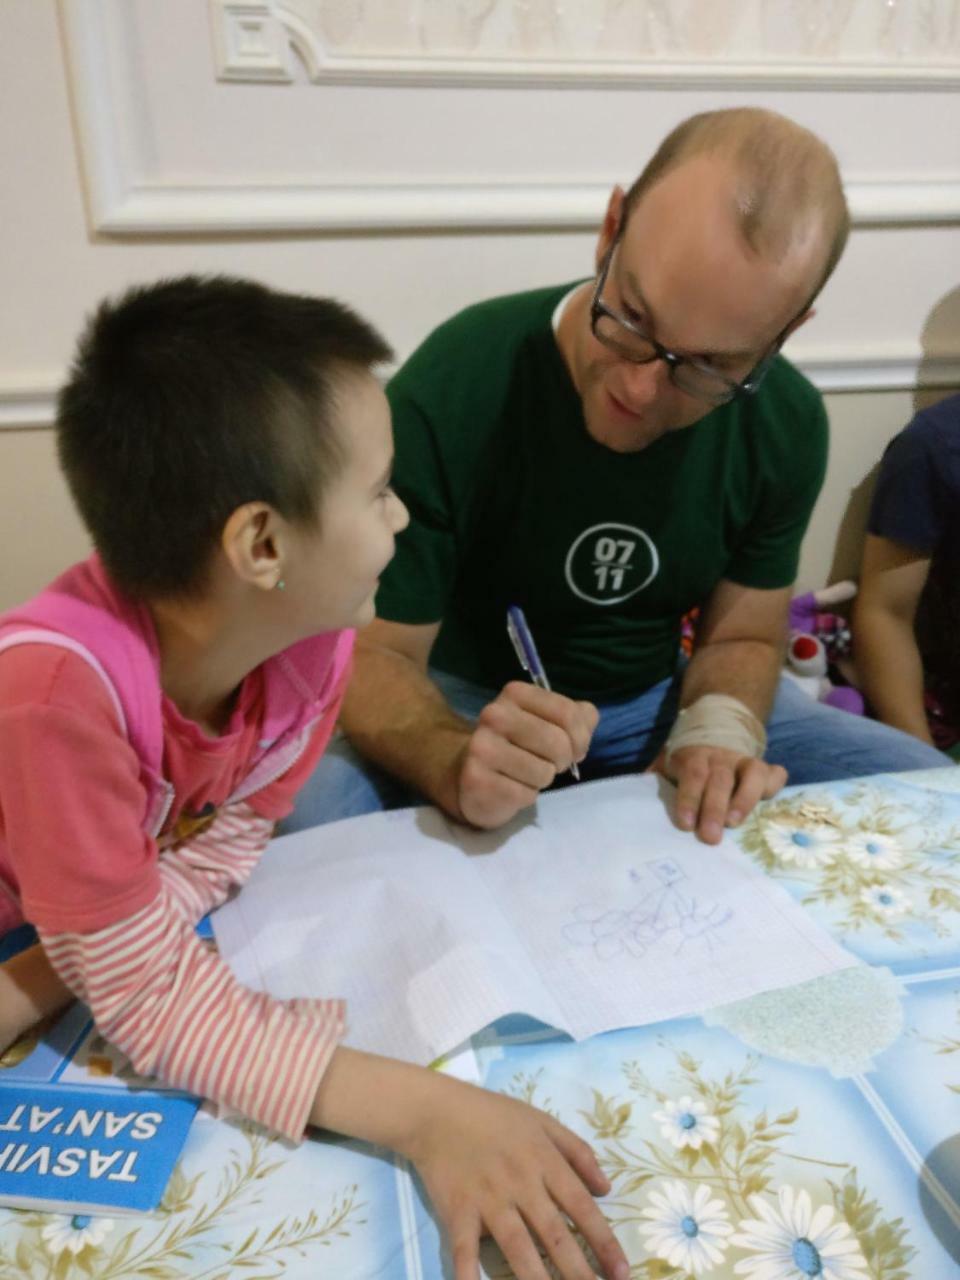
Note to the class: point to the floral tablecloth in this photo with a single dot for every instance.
(814, 1133)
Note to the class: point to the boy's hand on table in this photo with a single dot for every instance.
(523, 739)
(496, 1166)
(491, 1165)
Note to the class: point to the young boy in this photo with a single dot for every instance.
(230, 452)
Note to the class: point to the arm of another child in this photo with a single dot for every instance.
(30, 989)
(889, 665)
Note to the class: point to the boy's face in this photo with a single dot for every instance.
(336, 569)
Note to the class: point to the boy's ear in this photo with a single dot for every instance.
(253, 541)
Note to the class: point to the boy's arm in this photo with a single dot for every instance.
(491, 1165)
(30, 989)
(175, 1009)
(200, 872)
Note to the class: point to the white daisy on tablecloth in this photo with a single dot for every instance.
(806, 846)
(75, 1233)
(886, 899)
(686, 1122)
(790, 1240)
(686, 1227)
(874, 849)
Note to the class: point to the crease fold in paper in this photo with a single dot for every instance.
(590, 913)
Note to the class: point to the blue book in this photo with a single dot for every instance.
(80, 1132)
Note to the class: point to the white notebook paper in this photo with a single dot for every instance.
(590, 912)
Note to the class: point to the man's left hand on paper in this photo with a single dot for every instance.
(717, 788)
(738, 656)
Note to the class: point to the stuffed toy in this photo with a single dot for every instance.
(819, 640)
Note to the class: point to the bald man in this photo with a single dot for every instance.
(608, 455)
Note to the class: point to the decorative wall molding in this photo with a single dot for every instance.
(126, 199)
(27, 408)
(151, 209)
(252, 41)
(32, 408)
(871, 371)
(855, 44)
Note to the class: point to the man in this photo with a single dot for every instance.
(608, 456)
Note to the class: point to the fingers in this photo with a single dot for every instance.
(573, 1187)
(487, 798)
(692, 768)
(714, 803)
(498, 1165)
(581, 1156)
(758, 781)
(546, 1218)
(547, 724)
(579, 1206)
(464, 1248)
(548, 1215)
(553, 1232)
(777, 778)
(513, 1236)
(717, 788)
(523, 739)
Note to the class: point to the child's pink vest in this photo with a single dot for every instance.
(83, 611)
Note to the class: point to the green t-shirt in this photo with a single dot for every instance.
(512, 502)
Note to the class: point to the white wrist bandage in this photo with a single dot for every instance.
(717, 720)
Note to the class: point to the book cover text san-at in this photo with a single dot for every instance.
(79, 1131)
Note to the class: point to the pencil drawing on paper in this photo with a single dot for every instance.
(664, 915)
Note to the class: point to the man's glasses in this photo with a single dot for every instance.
(695, 377)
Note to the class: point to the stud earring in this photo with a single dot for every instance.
(280, 585)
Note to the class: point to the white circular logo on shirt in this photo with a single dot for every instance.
(609, 563)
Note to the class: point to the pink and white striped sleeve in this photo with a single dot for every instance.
(175, 1009)
(200, 872)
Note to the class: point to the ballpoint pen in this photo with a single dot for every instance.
(526, 651)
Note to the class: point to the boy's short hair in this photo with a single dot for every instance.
(192, 396)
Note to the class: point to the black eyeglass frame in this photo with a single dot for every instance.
(731, 389)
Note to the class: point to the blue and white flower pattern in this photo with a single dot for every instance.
(886, 900)
(790, 1240)
(874, 849)
(805, 846)
(686, 1123)
(686, 1226)
(75, 1233)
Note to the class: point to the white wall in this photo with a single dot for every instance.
(445, 150)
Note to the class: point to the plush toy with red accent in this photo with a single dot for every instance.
(819, 640)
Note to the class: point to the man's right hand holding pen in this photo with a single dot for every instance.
(522, 740)
(481, 773)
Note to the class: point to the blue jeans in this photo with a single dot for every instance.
(813, 742)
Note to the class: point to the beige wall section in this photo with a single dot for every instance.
(39, 530)
(43, 535)
(894, 294)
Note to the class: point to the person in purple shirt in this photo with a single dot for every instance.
(907, 618)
